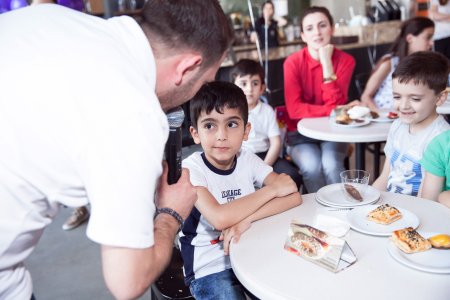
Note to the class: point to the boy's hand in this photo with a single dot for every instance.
(283, 185)
(180, 196)
(233, 234)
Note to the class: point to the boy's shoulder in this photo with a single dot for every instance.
(193, 159)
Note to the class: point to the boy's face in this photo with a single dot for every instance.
(221, 136)
(416, 103)
(253, 88)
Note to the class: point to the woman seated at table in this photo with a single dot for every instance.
(316, 80)
(416, 35)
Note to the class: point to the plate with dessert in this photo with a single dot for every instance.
(384, 116)
(421, 250)
(381, 220)
(356, 116)
(332, 195)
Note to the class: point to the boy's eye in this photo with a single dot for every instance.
(232, 124)
(208, 126)
(416, 99)
(396, 97)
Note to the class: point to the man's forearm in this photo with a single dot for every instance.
(129, 272)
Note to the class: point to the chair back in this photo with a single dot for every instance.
(361, 81)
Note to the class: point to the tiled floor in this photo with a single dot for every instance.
(66, 264)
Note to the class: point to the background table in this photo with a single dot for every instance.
(324, 129)
(444, 109)
(270, 272)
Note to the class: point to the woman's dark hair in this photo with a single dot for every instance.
(414, 26)
(246, 67)
(424, 67)
(265, 3)
(200, 25)
(316, 9)
(217, 95)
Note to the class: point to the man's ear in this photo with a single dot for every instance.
(248, 127)
(187, 64)
(194, 134)
(442, 97)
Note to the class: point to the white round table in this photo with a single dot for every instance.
(270, 272)
(324, 129)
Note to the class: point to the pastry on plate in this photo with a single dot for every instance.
(384, 214)
(343, 118)
(358, 112)
(353, 192)
(392, 115)
(374, 114)
(440, 241)
(410, 241)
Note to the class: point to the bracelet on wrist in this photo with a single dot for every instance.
(173, 213)
(330, 78)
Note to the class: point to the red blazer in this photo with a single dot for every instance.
(305, 93)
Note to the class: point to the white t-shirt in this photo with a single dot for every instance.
(442, 28)
(264, 126)
(202, 253)
(79, 122)
(405, 150)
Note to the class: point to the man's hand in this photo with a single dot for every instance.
(283, 185)
(233, 234)
(180, 196)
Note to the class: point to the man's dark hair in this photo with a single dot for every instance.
(316, 9)
(218, 95)
(246, 67)
(424, 67)
(200, 25)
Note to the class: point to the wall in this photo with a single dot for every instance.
(339, 9)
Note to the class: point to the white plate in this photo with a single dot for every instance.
(357, 219)
(341, 207)
(383, 118)
(433, 260)
(351, 125)
(333, 195)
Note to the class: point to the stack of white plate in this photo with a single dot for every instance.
(332, 195)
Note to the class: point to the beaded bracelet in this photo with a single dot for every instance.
(169, 211)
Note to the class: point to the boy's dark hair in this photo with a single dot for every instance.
(200, 25)
(316, 9)
(218, 95)
(246, 67)
(424, 67)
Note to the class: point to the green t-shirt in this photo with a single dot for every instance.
(436, 159)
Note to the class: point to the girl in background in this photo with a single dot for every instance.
(416, 35)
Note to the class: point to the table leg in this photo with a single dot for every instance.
(376, 160)
(360, 156)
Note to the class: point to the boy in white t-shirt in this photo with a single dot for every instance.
(418, 86)
(225, 177)
(264, 138)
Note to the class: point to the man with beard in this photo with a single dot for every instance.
(82, 121)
